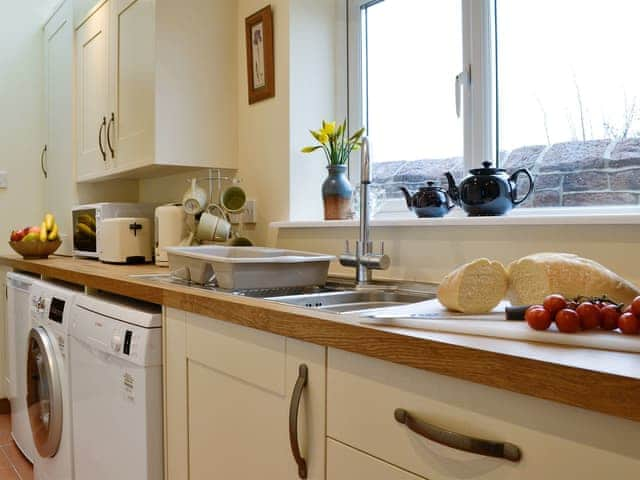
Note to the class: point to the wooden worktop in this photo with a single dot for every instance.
(606, 382)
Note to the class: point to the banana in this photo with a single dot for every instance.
(49, 221)
(53, 235)
(43, 232)
(85, 230)
(87, 220)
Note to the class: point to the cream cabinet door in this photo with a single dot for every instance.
(92, 50)
(60, 185)
(346, 463)
(131, 120)
(229, 392)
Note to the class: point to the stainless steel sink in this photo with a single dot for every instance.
(353, 301)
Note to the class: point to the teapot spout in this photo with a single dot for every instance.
(453, 191)
(408, 197)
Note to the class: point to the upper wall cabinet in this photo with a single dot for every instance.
(156, 88)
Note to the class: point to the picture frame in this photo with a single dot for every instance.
(260, 57)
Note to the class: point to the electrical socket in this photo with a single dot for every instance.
(248, 215)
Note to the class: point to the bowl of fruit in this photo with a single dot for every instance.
(37, 242)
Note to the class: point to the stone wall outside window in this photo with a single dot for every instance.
(570, 174)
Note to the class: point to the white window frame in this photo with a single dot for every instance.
(479, 103)
(478, 98)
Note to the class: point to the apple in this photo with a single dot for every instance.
(34, 230)
(16, 236)
(32, 236)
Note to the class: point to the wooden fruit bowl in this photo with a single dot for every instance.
(35, 249)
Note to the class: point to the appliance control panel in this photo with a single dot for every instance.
(124, 341)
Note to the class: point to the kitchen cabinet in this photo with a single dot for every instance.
(346, 463)
(555, 441)
(156, 88)
(92, 48)
(57, 162)
(229, 391)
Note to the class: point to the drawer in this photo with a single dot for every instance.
(556, 441)
(253, 356)
(345, 463)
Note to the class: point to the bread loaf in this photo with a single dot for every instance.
(476, 287)
(534, 277)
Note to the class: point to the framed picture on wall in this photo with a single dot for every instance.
(260, 64)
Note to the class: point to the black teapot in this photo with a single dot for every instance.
(488, 191)
(429, 201)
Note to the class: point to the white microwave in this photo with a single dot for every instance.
(87, 221)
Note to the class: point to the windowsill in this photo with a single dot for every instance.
(457, 218)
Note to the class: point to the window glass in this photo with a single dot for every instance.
(569, 99)
(411, 53)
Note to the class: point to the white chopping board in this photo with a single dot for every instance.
(494, 325)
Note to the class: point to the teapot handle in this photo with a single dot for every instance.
(514, 178)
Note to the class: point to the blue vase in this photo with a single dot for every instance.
(336, 194)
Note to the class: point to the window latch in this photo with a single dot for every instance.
(463, 80)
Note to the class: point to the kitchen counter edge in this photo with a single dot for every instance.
(605, 382)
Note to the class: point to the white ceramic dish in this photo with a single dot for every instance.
(245, 268)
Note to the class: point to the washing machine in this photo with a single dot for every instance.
(115, 347)
(18, 326)
(48, 390)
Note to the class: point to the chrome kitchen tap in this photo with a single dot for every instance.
(364, 260)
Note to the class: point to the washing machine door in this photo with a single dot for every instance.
(44, 393)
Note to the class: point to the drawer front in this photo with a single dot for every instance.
(345, 463)
(556, 441)
(256, 357)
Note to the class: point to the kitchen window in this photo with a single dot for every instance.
(553, 86)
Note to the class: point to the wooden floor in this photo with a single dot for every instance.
(13, 465)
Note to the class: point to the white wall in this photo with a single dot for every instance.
(21, 112)
(428, 253)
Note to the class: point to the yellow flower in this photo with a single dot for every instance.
(324, 138)
(310, 149)
(328, 128)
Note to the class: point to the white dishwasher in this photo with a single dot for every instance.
(116, 389)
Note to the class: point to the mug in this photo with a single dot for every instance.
(194, 199)
(233, 199)
(213, 227)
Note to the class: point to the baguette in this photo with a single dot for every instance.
(534, 277)
(476, 287)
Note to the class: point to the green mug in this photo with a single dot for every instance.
(233, 199)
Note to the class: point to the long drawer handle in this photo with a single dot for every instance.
(303, 374)
(458, 441)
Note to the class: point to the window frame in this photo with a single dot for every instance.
(478, 94)
(480, 108)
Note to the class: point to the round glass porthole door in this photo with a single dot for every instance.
(44, 393)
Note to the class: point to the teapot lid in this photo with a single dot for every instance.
(486, 170)
(431, 186)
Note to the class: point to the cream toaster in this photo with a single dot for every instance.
(126, 240)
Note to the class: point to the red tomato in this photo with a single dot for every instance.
(554, 303)
(538, 317)
(567, 321)
(609, 317)
(589, 315)
(629, 324)
(635, 307)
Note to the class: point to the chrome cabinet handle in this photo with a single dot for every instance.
(458, 441)
(42, 156)
(102, 125)
(112, 120)
(303, 375)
